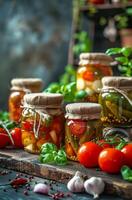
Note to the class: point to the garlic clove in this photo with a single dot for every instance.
(41, 188)
(76, 184)
(94, 186)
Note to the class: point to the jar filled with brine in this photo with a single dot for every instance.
(116, 101)
(82, 124)
(20, 87)
(42, 121)
(93, 66)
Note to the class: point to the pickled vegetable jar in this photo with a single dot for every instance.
(116, 101)
(82, 124)
(19, 88)
(93, 66)
(42, 121)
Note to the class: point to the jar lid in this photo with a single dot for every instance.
(95, 58)
(40, 100)
(83, 110)
(117, 82)
(32, 84)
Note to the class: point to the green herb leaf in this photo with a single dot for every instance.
(126, 51)
(122, 60)
(61, 158)
(113, 51)
(126, 173)
(48, 148)
(80, 95)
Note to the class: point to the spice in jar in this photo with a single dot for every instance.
(93, 66)
(82, 124)
(20, 87)
(42, 121)
(116, 101)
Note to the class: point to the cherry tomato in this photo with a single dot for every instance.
(104, 144)
(77, 127)
(28, 126)
(17, 137)
(88, 154)
(57, 125)
(127, 151)
(88, 76)
(111, 160)
(4, 140)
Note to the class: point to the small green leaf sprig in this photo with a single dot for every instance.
(51, 155)
(124, 57)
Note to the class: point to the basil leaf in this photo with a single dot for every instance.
(126, 173)
(47, 158)
(113, 51)
(122, 60)
(126, 51)
(48, 148)
(60, 158)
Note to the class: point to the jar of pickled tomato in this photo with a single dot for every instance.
(93, 66)
(116, 100)
(42, 121)
(20, 87)
(82, 125)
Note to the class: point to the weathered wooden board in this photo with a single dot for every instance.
(28, 163)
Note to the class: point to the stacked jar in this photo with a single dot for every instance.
(42, 121)
(82, 124)
(93, 66)
(19, 88)
(116, 101)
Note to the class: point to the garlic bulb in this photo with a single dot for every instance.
(94, 186)
(76, 184)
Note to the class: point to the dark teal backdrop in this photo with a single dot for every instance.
(34, 39)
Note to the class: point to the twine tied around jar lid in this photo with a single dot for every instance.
(27, 85)
(83, 111)
(43, 104)
(119, 84)
(95, 58)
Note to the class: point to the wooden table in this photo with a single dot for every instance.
(8, 193)
(28, 163)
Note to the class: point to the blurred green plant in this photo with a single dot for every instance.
(67, 86)
(124, 19)
(124, 57)
(83, 43)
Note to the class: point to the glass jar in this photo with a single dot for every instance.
(116, 101)
(42, 121)
(82, 124)
(93, 66)
(19, 88)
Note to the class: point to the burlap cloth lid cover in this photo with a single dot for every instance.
(43, 100)
(95, 58)
(31, 84)
(124, 83)
(83, 111)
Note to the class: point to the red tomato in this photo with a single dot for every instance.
(88, 154)
(17, 137)
(127, 151)
(88, 76)
(57, 125)
(28, 126)
(111, 160)
(96, 1)
(4, 140)
(104, 144)
(2, 130)
(77, 127)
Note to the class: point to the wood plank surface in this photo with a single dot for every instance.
(28, 163)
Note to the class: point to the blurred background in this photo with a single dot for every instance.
(39, 37)
(34, 40)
